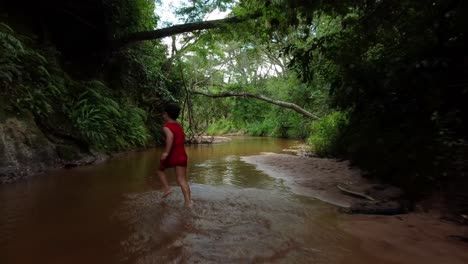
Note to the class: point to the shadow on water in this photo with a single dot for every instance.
(113, 213)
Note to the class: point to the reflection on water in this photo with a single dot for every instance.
(112, 213)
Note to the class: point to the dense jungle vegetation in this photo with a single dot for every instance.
(382, 83)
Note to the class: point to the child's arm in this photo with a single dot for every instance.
(169, 140)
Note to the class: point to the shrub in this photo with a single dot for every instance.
(325, 133)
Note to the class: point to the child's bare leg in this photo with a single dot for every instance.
(163, 179)
(181, 179)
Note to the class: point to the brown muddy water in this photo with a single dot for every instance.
(113, 213)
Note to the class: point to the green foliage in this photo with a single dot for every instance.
(126, 16)
(326, 133)
(257, 118)
(261, 128)
(250, 65)
(221, 127)
(33, 82)
(104, 122)
(141, 72)
(397, 67)
(29, 78)
(197, 10)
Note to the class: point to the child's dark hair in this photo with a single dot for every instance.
(172, 110)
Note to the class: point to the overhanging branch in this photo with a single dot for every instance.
(291, 106)
(176, 29)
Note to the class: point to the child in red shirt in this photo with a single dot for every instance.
(174, 155)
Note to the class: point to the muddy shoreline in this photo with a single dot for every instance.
(420, 236)
(331, 181)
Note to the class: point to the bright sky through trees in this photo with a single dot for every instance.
(166, 12)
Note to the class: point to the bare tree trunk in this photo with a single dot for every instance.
(291, 106)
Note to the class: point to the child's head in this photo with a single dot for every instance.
(172, 110)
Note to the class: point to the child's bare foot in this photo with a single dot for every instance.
(188, 204)
(166, 193)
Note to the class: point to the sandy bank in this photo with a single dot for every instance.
(313, 177)
(417, 237)
(410, 238)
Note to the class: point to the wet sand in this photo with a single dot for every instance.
(410, 238)
(313, 177)
(418, 237)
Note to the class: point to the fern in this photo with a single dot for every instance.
(26, 75)
(33, 82)
(106, 123)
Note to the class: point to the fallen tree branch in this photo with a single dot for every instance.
(357, 194)
(291, 106)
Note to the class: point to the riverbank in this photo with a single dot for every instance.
(312, 177)
(421, 236)
(417, 237)
(331, 181)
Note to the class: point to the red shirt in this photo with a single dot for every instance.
(177, 155)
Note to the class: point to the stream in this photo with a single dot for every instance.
(113, 213)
